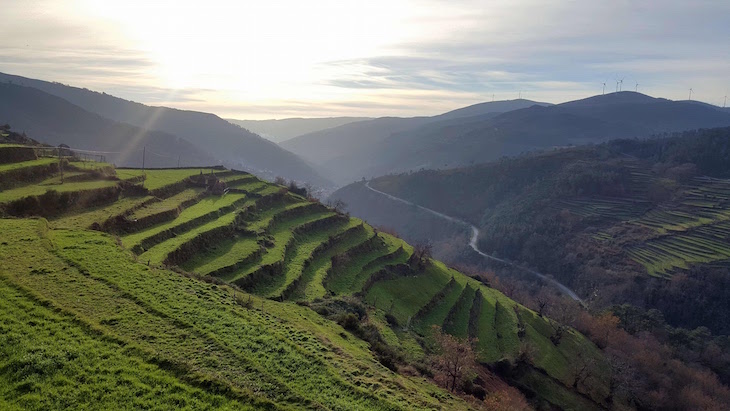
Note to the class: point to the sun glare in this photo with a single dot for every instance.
(252, 48)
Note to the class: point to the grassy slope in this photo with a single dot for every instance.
(32, 163)
(155, 179)
(165, 324)
(203, 207)
(85, 218)
(196, 329)
(52, 184)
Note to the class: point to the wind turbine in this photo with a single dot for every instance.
(604, 89)
(724, 103)
(621, 84)
(637, 87)
(690, 93)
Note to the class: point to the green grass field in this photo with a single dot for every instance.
(170, 203)
(26, 164)
(204, 341)
(155, 179)
(52, 184)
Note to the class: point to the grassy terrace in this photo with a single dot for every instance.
(4, 168)
(158, 253)
(311, 285)
(163, 177)
(351, 277)
(224, 254)
(174, 319)
(274, 354)
(168, 204)
(203, 207)
(85, 218)
(282, 236)
(296, 254)
(52, 184)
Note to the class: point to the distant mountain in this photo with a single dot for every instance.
(53, 120)
(226, 142)
(345, 153)
(489, 108)
(288, 128)
(479, 139)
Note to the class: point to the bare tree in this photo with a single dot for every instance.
(422, 252)
(456, 358)
(279, 180)
(338, 205)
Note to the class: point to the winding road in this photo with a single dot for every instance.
(473, 244)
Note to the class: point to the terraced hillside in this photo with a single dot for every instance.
(97, 271)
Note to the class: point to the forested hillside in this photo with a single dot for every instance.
(613, 221)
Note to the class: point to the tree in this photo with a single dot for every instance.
(422, 252)
(338, 205)
(456, 358)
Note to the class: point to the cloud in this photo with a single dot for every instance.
(397, 57)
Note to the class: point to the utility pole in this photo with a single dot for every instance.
(60, 163)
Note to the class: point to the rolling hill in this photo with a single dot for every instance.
(482, 138)
(288, 128)
(55, 121)
(222, 140)
(230, 290)
(629, 221)
(345, 152)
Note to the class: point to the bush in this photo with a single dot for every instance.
(350, 322)
(390, 318)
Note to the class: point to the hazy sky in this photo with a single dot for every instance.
(276, 59)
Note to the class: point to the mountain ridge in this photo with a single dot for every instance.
(224, 141)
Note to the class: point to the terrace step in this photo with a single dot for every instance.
(346, 266)
(395, 257)
(271, 265)
(161, 252)
(300, 245)
(308, 285)
(438, 307)
(457, 321)
(158, 212)
(203, 211)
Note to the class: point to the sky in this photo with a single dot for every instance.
(293, 58)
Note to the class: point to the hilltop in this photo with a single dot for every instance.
(218, 139)
(506, 130)
(89, 257)
(57, 121)
(346, 153)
